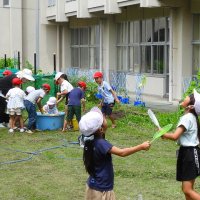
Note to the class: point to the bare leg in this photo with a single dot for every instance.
(21, 121)
(12, 121)
(112, 120)
(64, 125)
(190, 194)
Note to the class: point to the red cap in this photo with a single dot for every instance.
(82, 84)
(7, 73)
(97, 75)
(16, 81)
(46, 86)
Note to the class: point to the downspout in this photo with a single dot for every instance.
(171, 57)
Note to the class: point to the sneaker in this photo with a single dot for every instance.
(11, 130)
(2, 126)
(29, 131)
(21, 130)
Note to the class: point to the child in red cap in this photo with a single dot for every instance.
(33, 98)
(109, 96)
(15, 104)
(7, 73)
(75, 100)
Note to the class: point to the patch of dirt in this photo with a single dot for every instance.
(118, 114)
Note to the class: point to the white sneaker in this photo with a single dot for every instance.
(11, 130)
(21, 130)
(2, 126)
(29, 131)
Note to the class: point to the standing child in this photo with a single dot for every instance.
(29, 89)
(15, 104)
(50, 107)
(109, 97)
(97, 156)
(76, 99)
(31, 99)
(187, 135)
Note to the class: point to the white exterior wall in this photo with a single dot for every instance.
(11, 28)
(19, 34)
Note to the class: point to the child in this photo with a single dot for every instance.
(76, 99)
(7, 73)
(109, 97)
(15, 104)
(31, 99)
(50, 107)
(97, 156)
(29, 89)
(65, 87)
(187, 135)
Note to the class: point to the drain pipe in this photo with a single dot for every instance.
(171, 57)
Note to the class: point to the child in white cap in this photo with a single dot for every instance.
(187, 135)
(50, 107)
(97, 156)
(29, 89)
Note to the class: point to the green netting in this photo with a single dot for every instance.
(39, 81)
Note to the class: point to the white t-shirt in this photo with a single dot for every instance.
(15, 98)
(105, 91)
(190, 136)
(65, 85)
(35, 95)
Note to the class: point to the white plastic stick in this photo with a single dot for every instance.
(153, 118)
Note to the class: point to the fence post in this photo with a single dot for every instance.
(5, 62)
(54, 62)
(35, 63)
(18, 59)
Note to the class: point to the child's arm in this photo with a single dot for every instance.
(115, 96)
(174, 136)
(40, 105)
(128, 151)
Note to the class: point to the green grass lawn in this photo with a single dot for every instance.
(54, 169)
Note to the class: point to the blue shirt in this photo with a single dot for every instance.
(105, 91)
(103, 179)
(75, 97)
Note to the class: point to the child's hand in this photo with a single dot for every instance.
(146, 145)
(117, 100)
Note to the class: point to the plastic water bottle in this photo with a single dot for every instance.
(140, 197)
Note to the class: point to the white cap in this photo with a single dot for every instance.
(30, 89)
(197, 102)
(58, 75)
(25, 73)
(51, 101)
(91, 122)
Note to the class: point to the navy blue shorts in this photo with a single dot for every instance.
(188, 163)
(107, 108)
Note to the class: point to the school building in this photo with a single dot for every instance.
(157, 38)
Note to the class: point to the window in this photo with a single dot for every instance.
(51, 3)
(196, 44)
(142, 46)
(85, 48)
(6, 3)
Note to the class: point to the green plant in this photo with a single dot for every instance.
(10, 63)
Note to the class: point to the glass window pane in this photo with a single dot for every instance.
(75, 57)
(134, 59)
(94, 58)
(134, 35)
(146, 59)
(84, 36)
(147, 30)
(95, 35)
(84, 57)
(196, 58)
(121, 58)
(74, 36)
(196, 27)
(158, 59)
(159, 29)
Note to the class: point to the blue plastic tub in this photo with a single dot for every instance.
(139, 103)
(50, 122)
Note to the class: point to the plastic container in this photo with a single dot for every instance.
(98, 96)
(75, 124)
(139, 103)
(125, 100)
(50, 122)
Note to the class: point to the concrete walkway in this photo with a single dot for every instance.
(157, 103)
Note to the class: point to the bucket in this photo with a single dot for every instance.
(50, 122)
(75, 124)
